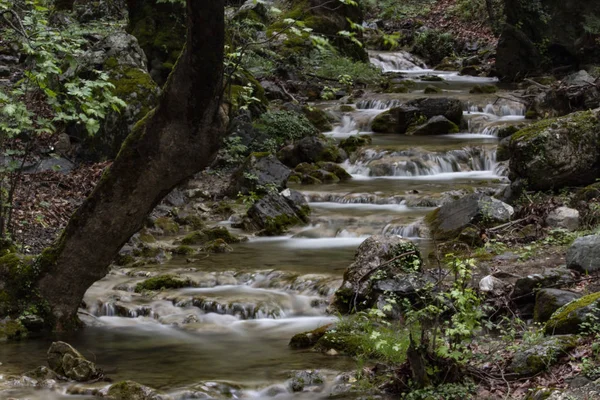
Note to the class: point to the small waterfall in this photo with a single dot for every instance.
(107, 309)
(396, 61)
(377, 104)
(347, 127)
(411, 163)
(407, 231)
(352, 198)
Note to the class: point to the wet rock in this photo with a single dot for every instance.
(438, 125)
(570, 318)
(335, 169)
(452, 218)
(129, 390)
(276, 212)
(353, 143)
(311, 150)
(430, 89)
(540, 357)
(382, 266)
(162, 282)
(555, 153)
(301, 379)
(584, 254)
(306, 340)
(66, 361)
(257, 174)
(563, 217)
(42, 373)
(400, 119)
(547, 301)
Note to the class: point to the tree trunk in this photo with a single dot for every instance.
(176, 140)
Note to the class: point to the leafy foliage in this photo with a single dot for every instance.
(434, 45)
(282, 127)
(50, 95)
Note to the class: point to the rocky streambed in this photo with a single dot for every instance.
(218, 324)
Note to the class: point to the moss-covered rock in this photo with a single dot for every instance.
(184, 250)
(354, 142)
(335, 169)
(66, 361)
(430, 89)
(129, 390)
(311, 150)
(306, 340)
(275, 213)
(167, 225)
(571, 317)
(162, 282)
(318, 118)
(547, 301)
(260, 173)
(537, 358)
(217, 246)
(558, 152)
(209, 234)
(383, 266)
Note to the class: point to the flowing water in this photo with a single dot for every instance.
(227, 336)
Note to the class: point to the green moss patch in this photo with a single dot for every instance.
(162, 282)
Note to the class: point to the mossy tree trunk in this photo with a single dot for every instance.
(176, 140)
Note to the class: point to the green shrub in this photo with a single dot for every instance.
(280, 128)
(333, 66)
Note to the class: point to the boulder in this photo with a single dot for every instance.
(400, 119)
(547, 301)
(448, 221)
(558, 152)
(493, 286)
(571, 317)
(383, 266)
(584, 254)
(120, 56)
(260, 173)
(310, 150)
(438, 125)
(66, 361)
(353, 143)
(276, 212)
(563, 217)
(539, 357)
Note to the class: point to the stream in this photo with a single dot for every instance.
(228, 338)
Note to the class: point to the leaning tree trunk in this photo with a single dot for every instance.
(176, 140)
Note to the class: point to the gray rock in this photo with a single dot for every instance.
(61, 165)
(448, 221)
(260, 173)
(399, 119)
(584, 254)
(563, 217)
(580, 78)
(547, 301)
(382, 266)
(555, 153)
(66, 361)
(539, 357)
(438, 125)
(276, 212)
(301, 379)
(494, 286)
(525, 288)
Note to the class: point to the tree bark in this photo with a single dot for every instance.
(174, 141)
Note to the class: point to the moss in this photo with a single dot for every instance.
(344, 342)
(193, 221)
(279, 224)
(308, 339)
(217, 246)
(184, 250)
(430, 89)
(530, 114)
(347, 108)
(129, 390)
(162, 282)
(146, 237)
(197, 237)
(124, 259)
(12, 330)
(568, 318)
(306, 168)
(167, 225)
(353, 143)
(294, 179)
(318, 118)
